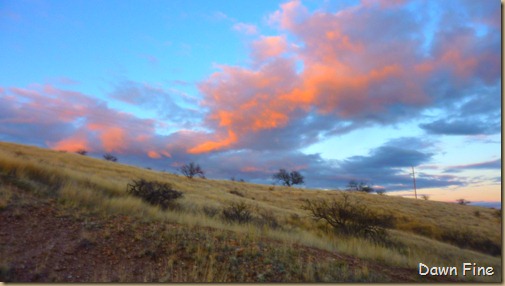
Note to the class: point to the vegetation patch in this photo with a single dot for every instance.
(155, 193)
(239, 212)
(350, 218)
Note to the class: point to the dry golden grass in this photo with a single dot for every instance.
(100, 187)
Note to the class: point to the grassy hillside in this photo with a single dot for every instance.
(68, 217)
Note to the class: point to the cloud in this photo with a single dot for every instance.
(320, 74)
(461, 127)
(268, 47)
(355, 67)
(166, 102)
(67, 120)
(247, 29)
(493, 164)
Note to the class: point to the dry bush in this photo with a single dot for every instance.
(467, 239)
(239, 212)
(267, 218)
(153, 192)
(350, 218)
(110, 157)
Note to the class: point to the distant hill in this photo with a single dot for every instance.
(67, 217)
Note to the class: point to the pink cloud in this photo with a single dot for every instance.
(73, 120)
(358, 63)
(267, 47)
(247, 29)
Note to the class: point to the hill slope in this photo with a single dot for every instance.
(68, 217)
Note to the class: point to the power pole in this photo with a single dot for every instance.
(414, 177)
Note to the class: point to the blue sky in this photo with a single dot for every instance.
(337, 90)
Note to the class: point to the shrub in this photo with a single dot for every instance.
(237, 212)
(190, 170)
(463, 202)
(425, 197)
(81, 152)
(349, 218)
(466, 239)
(109, 157)
(153, 192)
(267, 218)
(210, 211)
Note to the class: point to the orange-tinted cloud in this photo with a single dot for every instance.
(354, 65)
(267, 47)
(209, 146)
(71, 144)
(153, 154)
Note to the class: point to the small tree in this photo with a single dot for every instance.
(81, 152)
(190, 170)
(288, 179)
(425, 197)
(109, 157)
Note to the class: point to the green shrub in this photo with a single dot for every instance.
(153, 192)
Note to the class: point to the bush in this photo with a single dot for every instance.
(81, 152)
(463, 202)
(349, 218)
(210, 211)
(109, 157)
(466, 239)
(237, 212)
(155, 193)
(267, 218)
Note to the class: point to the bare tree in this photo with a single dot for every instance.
(190, 170)
(288, 179)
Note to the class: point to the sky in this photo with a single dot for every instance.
(337, 90)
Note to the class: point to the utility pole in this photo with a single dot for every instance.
(414, 177)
